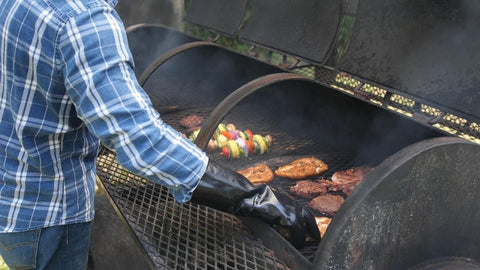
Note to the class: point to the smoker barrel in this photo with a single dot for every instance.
(420, 203)
(416, 209)
(295, 127)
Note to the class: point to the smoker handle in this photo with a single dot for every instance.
(222, 109)
(169, 54)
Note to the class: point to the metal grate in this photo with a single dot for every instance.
(181, 236)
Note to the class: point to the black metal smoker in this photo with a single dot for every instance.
(378, 83)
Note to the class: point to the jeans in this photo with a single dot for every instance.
(60, 247)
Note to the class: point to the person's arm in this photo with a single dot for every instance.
(99, 78)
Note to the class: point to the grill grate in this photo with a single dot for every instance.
(189, 236)
(181, 236)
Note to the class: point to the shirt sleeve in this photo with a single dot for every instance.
(99, 79)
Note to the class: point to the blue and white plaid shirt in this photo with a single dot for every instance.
(67, 83)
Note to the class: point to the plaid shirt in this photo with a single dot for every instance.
(67, 83)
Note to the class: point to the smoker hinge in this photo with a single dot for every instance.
(213, 38)
(251, 52)
(359, 93)
(295, 64)
(386, 99)
(425, 118)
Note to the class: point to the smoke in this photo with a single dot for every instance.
(164, 12)
(147, 43)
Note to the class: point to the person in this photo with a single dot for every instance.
(67, 84)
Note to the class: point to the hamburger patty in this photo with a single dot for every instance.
(308, 189)
(330, 186)
(347, 180)
(355, 174)
(191, 121)
(327, 204)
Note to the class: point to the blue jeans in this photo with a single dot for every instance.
(59, 247)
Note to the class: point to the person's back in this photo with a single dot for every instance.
(47, 158)
(64, 84)
(67, 83)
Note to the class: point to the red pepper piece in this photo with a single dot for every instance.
(225, 152)
(250, 134)
(227, 134)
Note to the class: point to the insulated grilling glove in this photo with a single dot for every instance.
(226, 190)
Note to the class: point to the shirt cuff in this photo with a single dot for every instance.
(183, 192)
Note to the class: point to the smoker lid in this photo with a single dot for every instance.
(426, 49)
(419, 204)
(221, 16)
(302, 28)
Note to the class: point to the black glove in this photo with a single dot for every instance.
(228, 191)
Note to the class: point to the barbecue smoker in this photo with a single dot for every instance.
(391, 84)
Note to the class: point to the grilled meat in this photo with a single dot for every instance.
(327, 204)
(308, 189)
(302, 168)
(193, 129)
(330, 185)
(322, 224)
(355, 174)
(191, 122)
(349, 179)
(260, 173)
